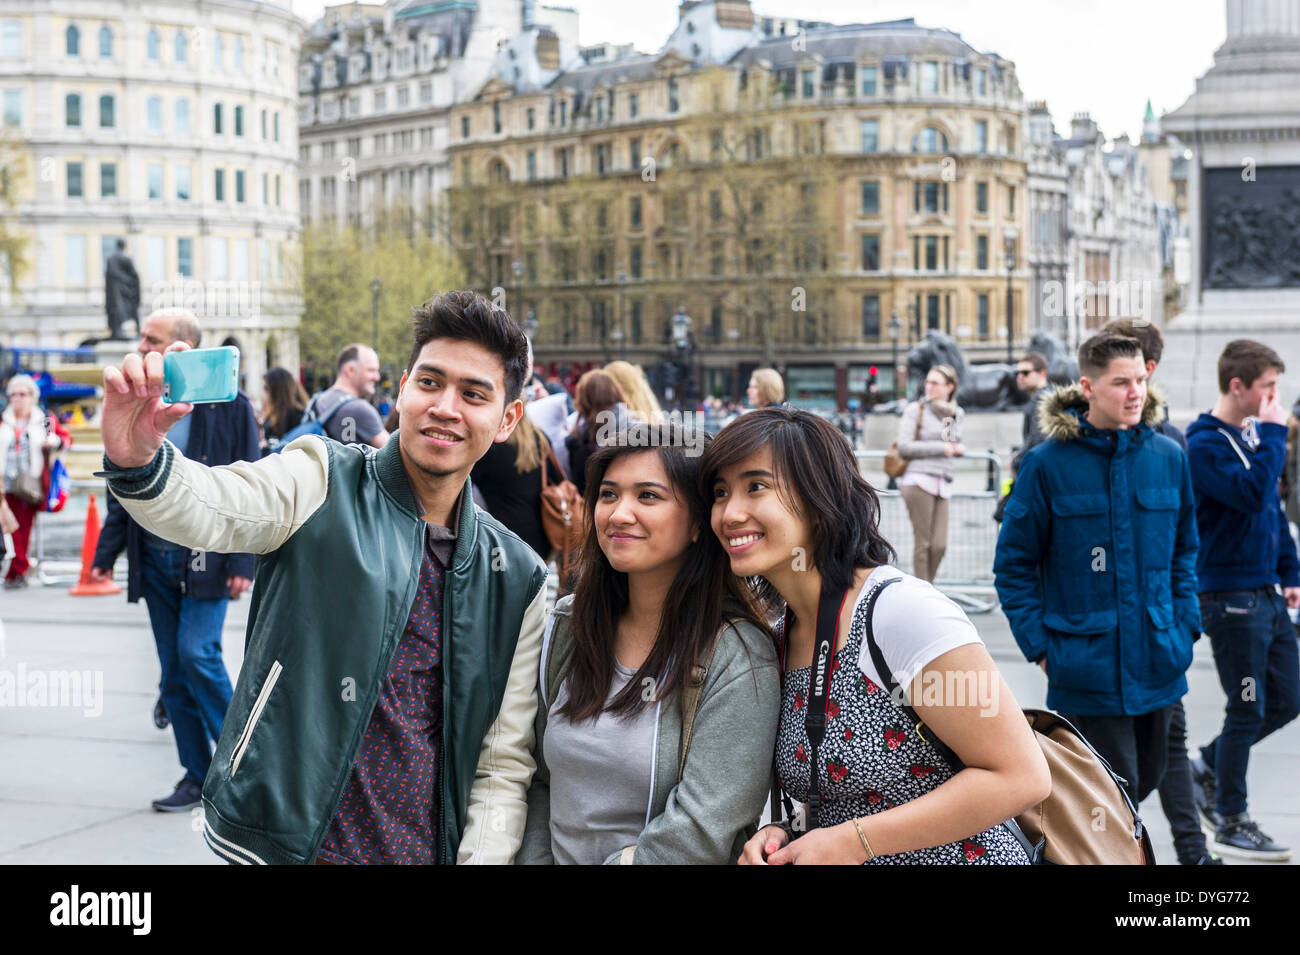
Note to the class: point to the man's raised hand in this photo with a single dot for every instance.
(133, 420)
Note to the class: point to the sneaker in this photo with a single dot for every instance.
(1204, 793)
(160, 719)
(1239, 836)
(187, 796)
(1208, 859)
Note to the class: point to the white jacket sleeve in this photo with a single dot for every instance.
(498, 800)
(249, 507)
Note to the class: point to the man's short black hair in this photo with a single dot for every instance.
(1148, 336)
(1099, 350)
(1037, 360)
(467, 316)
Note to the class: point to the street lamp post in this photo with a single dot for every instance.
(376, 287)
(622, 319)
(684, 346)
(913, 333)
(530, 324)
(1010, 234)
(895, 329)
(518, 269)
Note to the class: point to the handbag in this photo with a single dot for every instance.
(563, 516)
(895, 463)
(8, 522)
(1063, 829)
(57, 485)
(29, 488)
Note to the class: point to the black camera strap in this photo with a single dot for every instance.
(819, 684)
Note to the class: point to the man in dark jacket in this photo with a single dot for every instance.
(1238, 451)
(186, 591)
(1176, 793)
(1031, 377)
(1095, 564)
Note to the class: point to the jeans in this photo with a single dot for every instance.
(195, 687)
(1176, 793)
(1137, 747)
(1258, 658)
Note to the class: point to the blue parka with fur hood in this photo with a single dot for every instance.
(1096, 561)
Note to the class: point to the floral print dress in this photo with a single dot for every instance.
(871, 759)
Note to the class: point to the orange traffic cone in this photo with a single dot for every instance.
(87, 587)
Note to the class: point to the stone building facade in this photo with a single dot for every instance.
(791, 193)
(169, 125)
(376, 82)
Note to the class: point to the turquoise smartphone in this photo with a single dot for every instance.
(201, 375)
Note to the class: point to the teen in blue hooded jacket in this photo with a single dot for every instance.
(1239, 450)
(1096, 561)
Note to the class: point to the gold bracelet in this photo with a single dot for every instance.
(865, 844)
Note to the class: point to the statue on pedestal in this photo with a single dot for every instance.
(121, 292)
(991, 386)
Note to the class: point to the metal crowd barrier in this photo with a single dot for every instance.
(966, 571)
(40, 566)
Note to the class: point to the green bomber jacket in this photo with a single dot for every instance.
(341, 544)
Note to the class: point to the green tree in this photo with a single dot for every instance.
(334, 269)
(14, 243)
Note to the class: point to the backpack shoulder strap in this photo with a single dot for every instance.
(335, 410)
(892, 685)
(691, 697)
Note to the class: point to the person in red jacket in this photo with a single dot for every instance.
(27, 435)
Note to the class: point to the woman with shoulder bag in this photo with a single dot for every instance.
(509, 476)
(874, 787)
(24, 441)
(929, 437)
(658, 680)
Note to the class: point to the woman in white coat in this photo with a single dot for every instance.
(24, 439)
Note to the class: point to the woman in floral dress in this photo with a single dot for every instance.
(793, 511)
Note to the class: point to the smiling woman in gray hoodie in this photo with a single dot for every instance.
(659, 685)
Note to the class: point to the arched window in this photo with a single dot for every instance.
(105, 41)
(672, 155)
(73, 36)
(72, 109)
(151, 43)
(929, 140)
(498, 172)
(182, 48)
(107, 117)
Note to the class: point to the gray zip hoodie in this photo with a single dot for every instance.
(707, 817)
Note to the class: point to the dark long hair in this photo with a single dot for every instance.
(284, 396)
(597, 391)
(818, 477)
(703, 592)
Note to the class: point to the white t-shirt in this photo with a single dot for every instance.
(914, 624)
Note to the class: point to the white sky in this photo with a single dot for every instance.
(1106, 57)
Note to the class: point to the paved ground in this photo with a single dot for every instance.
(77, 780)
